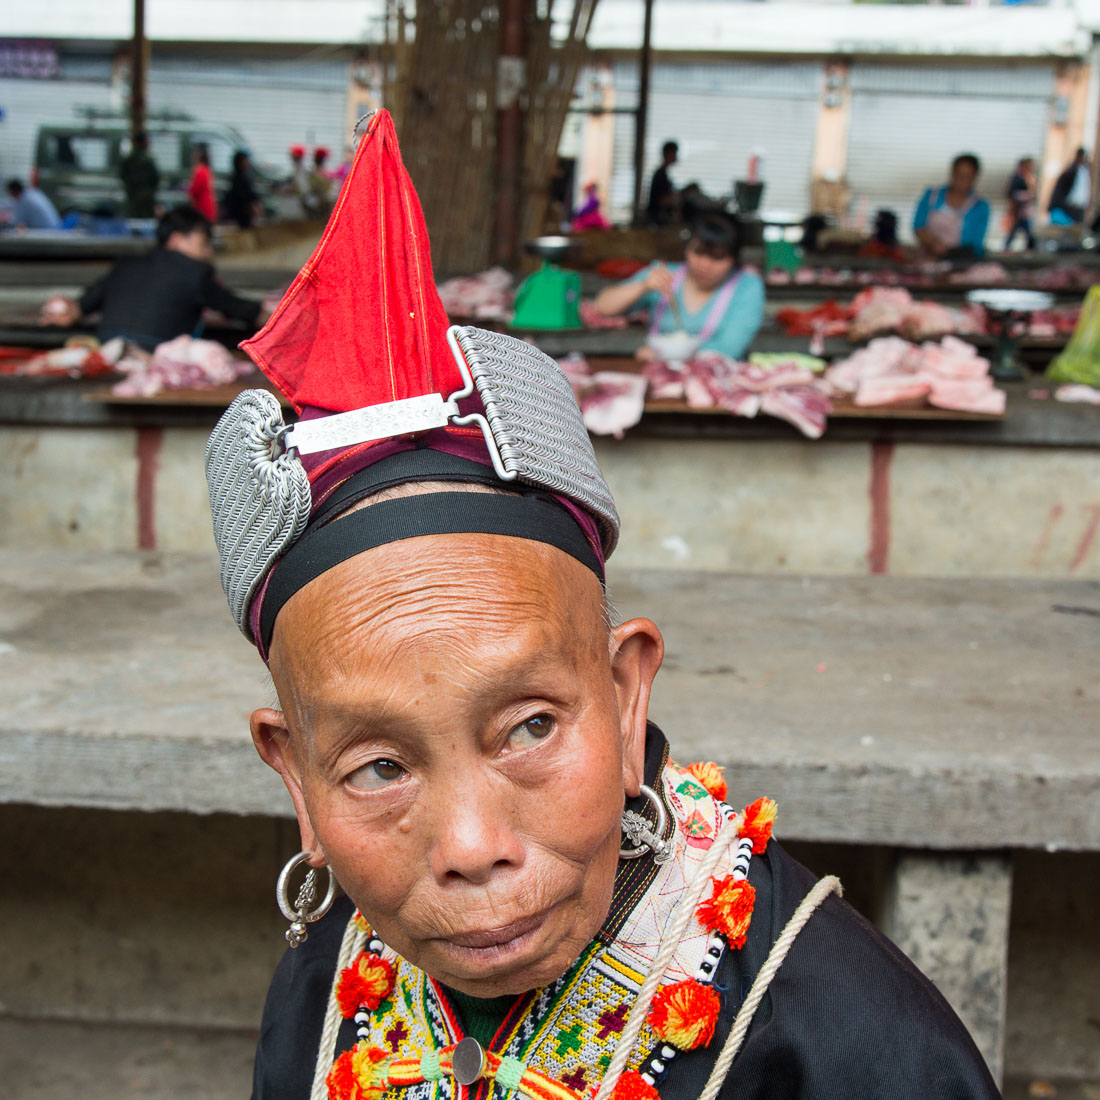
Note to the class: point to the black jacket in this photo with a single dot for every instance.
(1062, 188)
(160, 296)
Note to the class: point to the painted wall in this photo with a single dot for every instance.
(774, 506)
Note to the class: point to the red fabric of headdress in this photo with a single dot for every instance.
(362, 323)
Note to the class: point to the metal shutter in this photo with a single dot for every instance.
(720, 113)
(272, 103)
(909, 121)
(29, 104)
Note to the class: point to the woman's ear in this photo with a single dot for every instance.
(635, 659)
(273, 742)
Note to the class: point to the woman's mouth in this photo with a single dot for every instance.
(492, 945)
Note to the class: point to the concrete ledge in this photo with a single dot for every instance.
(919, 713)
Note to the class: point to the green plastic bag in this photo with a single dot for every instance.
(1080, 361)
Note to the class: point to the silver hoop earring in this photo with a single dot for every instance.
(300, 913)
(646, 839)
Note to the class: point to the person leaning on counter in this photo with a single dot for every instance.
(159, 296)
(952, 220)
(715, 299)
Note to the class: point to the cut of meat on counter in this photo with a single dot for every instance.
(892, 309)
(1059, 321)
(182, 363)
(879, 310)
(788, 391)
(615, 402)
(76, 360)
(987, 273)
(1065, 277)
(1069, 276)
(827, 319)
(1076, 393)
(891, 371)
(610, 401)
(486, 296)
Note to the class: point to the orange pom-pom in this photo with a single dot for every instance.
(341, 1079)
(361, 922)
(710, 776)
(684, 1014)
(358, 1074)
(367, 983)
(633, 1086)
(759, 819)
(729, 909)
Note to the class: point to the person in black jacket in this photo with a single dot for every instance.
(141, 178)
(1069, 201)
(160, 296)
(663, 196)
(1021, 202)
(241, 202)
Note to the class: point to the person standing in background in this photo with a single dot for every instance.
(241, 201)
(1072, 194)
(201, 188)
(663, 197)
(317, 198)
(1021, 202)
(140, 178)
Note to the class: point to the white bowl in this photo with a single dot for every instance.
(673, 347)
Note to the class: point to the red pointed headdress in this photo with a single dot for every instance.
(362, 323)
(360, 345)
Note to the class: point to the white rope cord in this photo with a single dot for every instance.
(350, 946)
(670, 940)
(822, 889)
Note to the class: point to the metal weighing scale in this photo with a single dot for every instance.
(1008, 313)
(551, 297)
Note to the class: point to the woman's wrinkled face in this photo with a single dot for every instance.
(459, 732)
(707, 268)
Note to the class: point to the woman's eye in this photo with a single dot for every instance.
(375, 775)
(531, 731)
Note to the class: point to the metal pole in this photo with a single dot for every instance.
(640, 117)
(137, 70)
(511, 89)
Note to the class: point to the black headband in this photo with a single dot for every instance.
(525, 515)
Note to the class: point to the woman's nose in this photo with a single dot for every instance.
(474, 834)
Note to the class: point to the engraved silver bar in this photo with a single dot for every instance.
(393, 418)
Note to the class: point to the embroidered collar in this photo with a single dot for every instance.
(556, 1042)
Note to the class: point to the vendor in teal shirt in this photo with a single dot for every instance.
(951, 221)
(718, 301)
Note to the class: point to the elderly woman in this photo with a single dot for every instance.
(538, 900)
(709, 296)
